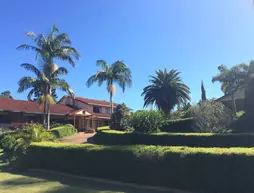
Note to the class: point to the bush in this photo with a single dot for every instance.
(54, 125)
(63, 131)
(119, 118)
(222, 170)
(111, 137)
(212, 117)
(147, 121)
(16, 142)
(178, 126)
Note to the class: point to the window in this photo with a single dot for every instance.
(96, 109)
(107, 110)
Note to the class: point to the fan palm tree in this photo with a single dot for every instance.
(114, 73)
(54, 46)
(44, 81)
(165, 91)
(231, 80)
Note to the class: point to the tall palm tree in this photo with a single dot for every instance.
(114, 73)
(54, 46)
(48, 48)
(165, 91)
(231, 81)
(44, 81)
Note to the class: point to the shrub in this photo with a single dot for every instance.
(54, 125)
(17, 142)
(227, 170)
(178, 126)
(147, 121)
(63, 131)
(111, 137)
(117, 122)
(212, 117)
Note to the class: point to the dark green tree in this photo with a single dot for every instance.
(6, 94)
(165, 91)
(203, 92)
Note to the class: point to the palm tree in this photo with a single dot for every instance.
(114, 73)
(55, 46)
(48, 48)
(165, 91)
(231, 81)
(44, 81)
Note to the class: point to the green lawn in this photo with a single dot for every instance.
(37, 182)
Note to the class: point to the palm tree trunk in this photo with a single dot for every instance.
(45, 111)
(48, 109)
(111, 102)
(233, 104)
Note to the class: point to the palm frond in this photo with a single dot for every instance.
(31, 68)
(102, 64)
(28, 47)
(26, 83)
(59, 72)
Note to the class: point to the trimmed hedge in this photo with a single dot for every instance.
(179, 125)
(112, 137)
(221, 170)
(63, 131)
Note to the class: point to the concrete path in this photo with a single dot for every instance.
(79, 138)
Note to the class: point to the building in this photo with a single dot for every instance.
(239, 100)
(83, 113)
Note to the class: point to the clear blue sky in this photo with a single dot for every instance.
(192, 36)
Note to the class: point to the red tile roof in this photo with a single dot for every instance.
(31, 107)
(91, 101)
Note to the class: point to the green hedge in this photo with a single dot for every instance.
(221, 170)
(112, 137)
(63, 131)
(179, 125)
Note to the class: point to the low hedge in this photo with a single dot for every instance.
(221, 170)
(112, 137)
(63, 131)
(179, 125)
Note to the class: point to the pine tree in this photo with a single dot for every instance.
(203, 95)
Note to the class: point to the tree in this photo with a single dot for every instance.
(110, 74)
(230, 81)
(54, 46)
(165, 91)
(203, 92)
(44, 83)
(6, 94)
(48, 48)
(39, 92)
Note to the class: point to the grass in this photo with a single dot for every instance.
(39, 182)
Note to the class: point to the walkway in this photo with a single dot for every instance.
(79, 138)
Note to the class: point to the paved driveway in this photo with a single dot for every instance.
(79, 138)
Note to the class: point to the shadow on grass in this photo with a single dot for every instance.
(69, 185)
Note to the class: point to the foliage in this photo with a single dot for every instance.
(39, 92)
(55, 124)
(231, 80)
(16, 143)
(110, 74)
(194, 169)
(54, 46)
(48, 48)
(44, 82)
(211, 116)
(203, 92)
(119, 119)
(178, 125)
(165, 91)
(15, 126)
(6, 94)
(111, 137)
(239, 114)
(147, 121)
(63, 131)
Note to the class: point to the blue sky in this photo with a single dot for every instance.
(192, 36)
